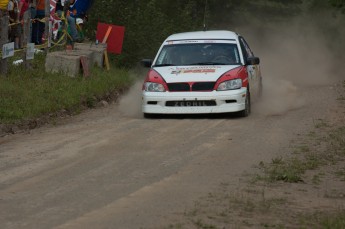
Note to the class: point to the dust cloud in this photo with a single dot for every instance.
(130, 103)
(293, 57)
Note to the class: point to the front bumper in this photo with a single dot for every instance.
(225, 101)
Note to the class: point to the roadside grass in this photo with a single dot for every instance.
(342, 97)
(340, 173)
(306, 157)
(324, 220)
(28, 94)
(224, 209)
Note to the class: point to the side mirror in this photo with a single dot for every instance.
(253, 61)
(146, 63)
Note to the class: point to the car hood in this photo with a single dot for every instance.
(209, 73)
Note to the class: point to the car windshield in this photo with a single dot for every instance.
(198, 54)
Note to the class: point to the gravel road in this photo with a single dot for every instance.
(107, 169)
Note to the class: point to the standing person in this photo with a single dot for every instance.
(3, 5)
(14, 29)
(38, 26)
(80, 25)
(67, 7)
(23, 6)
(71, 17)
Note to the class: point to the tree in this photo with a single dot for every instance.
(340, 4)
(149, 22)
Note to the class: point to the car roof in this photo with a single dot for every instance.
(207, 35)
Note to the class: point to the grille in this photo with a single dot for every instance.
(199, 86)
(178, 87)
(203, 86)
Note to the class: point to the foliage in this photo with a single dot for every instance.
(149, 22)
(340, 4)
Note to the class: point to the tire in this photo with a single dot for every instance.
(148, 115)
(247, 108)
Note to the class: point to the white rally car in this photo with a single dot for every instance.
(202, 72)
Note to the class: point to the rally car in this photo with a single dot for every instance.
(202, 72)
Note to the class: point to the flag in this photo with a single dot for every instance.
(115, 37)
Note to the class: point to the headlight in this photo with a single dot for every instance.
(230, 85)
(154, 87)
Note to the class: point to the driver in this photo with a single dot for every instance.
(223, 55)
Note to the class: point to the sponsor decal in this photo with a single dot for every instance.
(194, 70)
(203, 41)
(188, 41)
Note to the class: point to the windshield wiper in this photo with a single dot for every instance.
(163, 65)
(209, 63)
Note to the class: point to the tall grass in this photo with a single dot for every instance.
(27, 94)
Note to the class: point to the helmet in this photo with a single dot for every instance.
(79, 21)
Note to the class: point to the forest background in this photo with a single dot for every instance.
(149, 22)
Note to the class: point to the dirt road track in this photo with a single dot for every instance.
(104, 170)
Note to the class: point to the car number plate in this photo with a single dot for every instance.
(193, 103)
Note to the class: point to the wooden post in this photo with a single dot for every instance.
(26, 37)
(47, 17)
(3, 40)
(106, 59)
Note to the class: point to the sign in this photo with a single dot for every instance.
(30, 51)
(114, 36)
(7, 50)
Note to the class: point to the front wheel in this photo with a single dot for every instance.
(149, 115)
(247, 108)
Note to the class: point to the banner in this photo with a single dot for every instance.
(113, 35)
(52, 6)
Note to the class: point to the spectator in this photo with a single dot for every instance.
(80, 25)
(68, 5)
(14, 29)
(38, 26)
(3, 5)
(22, 7)
(72, 15)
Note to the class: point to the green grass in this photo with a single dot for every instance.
(323, 220)
(320, 123)
(337, 141)
(288, 170)
(202, 225)
(340, 173)
(28, 94)
(291, 169)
